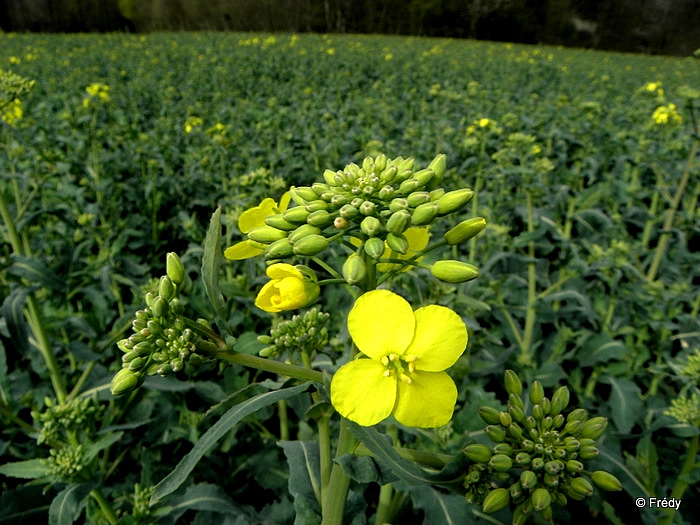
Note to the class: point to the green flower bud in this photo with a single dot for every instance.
(341, 223)
(578, 414)
(417, 198)
(386, 193)
(330, 177)
(164, 369)
(409, 186)
(303, 231)
(166, 289)
(177, 307)
(537, 412)
(495, 434)
(502, 448)
(574, 466)
(573, 427)
(367, 208)
(160, 307)
(490, 415)
(516, 491)
(425, 213)
(537, 463)
(374, 247)
(496, 500)
(516, 413)
(302, 195)
(571, 444)
(513, 383)
(129, 356)
(522, 459)
(552, 467)
(320, 218)
(519, 516)
(529, 422)
(546, 406)
(354, 269)
(605, 481)
(310, 245)
(587, 453)
(536, 393)
(389, 174)
(398, 222)
(316, 205)
(515, 430)
(452, 271)
(398, 243)
(296, 215)
(541, 499)
(579, 488)
(371, 226)
(478, 453)
(348, 211)
(528, 479)
(438, 165)
(501, 463)
(174, 268)
(424, 176)
(124, 381)
(279, 249)
(266, 234)
(551, 480)
(514, 400)
(504, 418)
(465, 230)
(558, 421)
(143, 348)
(593, 428)
(560, 400)
(454, 200)
(398, 204)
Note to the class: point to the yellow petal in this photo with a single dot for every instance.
(381, 323)
(284, 202)
(243, 250)
(427, 402)
(291, 294)
(417, 238)
(282, 270)
(439, 340)
(255, 217)
(264, 298)
(362, 393)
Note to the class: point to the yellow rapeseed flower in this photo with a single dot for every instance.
(191, 123)
(289, 288)
(666, 115)
(12, 112)
(407, 352)
(255, 218)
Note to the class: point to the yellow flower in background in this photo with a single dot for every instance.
(251, 219)
(98, 90)
(191, 123)
(12, 112)
(289, 289)
(666, 115)
(407, 352)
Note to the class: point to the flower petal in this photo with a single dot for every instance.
(255, 216)
(284, 202)
(282, 270)
(264, 300)
(381, 323)
(242, 250)
(440, 338)
(427, 402)
(362, 393)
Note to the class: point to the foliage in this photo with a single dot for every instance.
(588, 268)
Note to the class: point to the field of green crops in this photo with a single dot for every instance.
(583, 165)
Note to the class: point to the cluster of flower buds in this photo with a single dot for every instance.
(374, 204)
(59, 421)
(537, 458)
(161, 342)
(302, 333)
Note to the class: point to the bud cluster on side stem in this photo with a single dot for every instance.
(537, 458)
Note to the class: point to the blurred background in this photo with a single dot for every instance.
(670, 27)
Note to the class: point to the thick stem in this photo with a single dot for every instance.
(270, 365)
(681, 483)
(339, 484)
(105, 506)
(530, 315)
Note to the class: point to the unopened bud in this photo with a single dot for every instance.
(279, 249)
(495, 434)
(528, 479)
(574, 466)
(594, 427)
(303, 231)
(310, 245)
(302, 195)
(579, 488)
(174, 268)
(398, 243)
(374, 247)
(587, 453)
(490, 415)
(124, 381)
(454, 200)
(501, 463)
(371, 226)
(425, 213)
(438, 165)
(496, 500)
(354, 269)
(536, 393)
(166, 289)
(266, 234)
(417, 198)
(160, 307)
(398, 222)
(541, 499)
(606, 481)
(452, 271)
(513, 383)
(465, 230)
(296, 215)
(278, 221)
(478, 453)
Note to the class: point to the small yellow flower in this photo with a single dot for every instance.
(12, 112)
(255, 218)
(191, 123)
(666, 115)
(408, 352)
(289, 288)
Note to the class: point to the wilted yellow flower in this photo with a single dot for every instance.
(408, 352)
(289, 289)
(251, 219)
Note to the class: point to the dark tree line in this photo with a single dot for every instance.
(647, 26)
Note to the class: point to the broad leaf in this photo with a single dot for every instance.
(439, 508)
(173, 480)
(68, 504)
(625, 402)
(29, 469)
(304, 476)
(211, 262)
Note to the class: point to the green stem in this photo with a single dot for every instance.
(284, 420)
(339, 484)
(270, 365)
(681, 484)
(530, 316)
(384, 505)
(105, 506)
(668, 222)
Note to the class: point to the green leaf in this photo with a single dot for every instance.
(625, 402)
(247, 343)
(601, 348)
(404, 469)
(68, 504)
(440, 509)
(179, 474)
(5, 393)
(13, 312)
(304, 476)
(211, 262)
(204, 496)
(34, 271)
(29, 469)
(105, 441)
